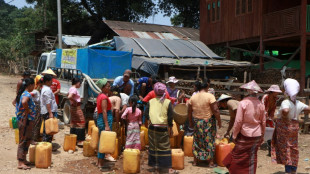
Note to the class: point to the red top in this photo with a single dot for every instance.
(152, 95)
(55, 85)
(99, 101)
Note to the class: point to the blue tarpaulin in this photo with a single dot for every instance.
(98, 63)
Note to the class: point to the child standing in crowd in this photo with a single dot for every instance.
(133, 116)
(25, 113)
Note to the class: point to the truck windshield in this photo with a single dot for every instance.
(42, 64)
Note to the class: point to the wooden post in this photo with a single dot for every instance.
(204, 72)
(245, 76)
(228, 52)
(261, 44)
(261, 51)
(198, 72)
(303, 44)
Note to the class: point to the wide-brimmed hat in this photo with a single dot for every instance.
(274, 88)
(49, 71)
(253, 86)
(223, 97)
(172, 79)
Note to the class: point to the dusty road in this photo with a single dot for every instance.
(64, 162)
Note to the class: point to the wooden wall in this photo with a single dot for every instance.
(230, 27)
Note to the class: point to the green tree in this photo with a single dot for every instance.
(122, 10)
(184, 12)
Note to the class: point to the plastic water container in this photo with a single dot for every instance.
(175, 129)
(90, 124)
(177, 156)
(43, 155)
(16, 136)
(107, 142)
(14, 123)
(142, 141)
(221, 151)
(172, 142)
(88, 151)
(146, 135)
(94, 138)
(180, 138)
(51, 126)
(70, 142)
(41, 129)
(117, 149)
(10, 123)
(268, 133)
(188, 146)
(131, 161)
(32, 153)
(123, 136)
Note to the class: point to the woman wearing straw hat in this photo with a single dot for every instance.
(284, 145)
(270, 102)
(55, 87)
(248, 132)
(227, 102)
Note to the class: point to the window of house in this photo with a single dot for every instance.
(208, 12)
(218, 10)
(244, 6)
(250, 6)
(213, 11)
(238, 3)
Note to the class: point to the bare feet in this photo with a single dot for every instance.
(22, 165)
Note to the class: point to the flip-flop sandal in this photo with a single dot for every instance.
(173, 171)
(24, 167)
(105, 168)
(27, 163)
(212, 166)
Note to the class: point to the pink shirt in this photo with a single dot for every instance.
(76, 95)
(132, 117)
(250, 118)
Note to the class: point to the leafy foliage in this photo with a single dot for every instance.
(185, 12)
(122, 10)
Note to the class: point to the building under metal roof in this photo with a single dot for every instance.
(149, 54)
(152, 31)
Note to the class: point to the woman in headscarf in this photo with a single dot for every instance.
(203, 108)
(248, 132)
(36, 98)
(105, 117)
(77, 122)
(284, 145)
(270, 102)
(159, 113)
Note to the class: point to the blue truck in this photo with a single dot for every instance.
(89, 64)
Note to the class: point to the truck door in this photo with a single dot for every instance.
(42, 64)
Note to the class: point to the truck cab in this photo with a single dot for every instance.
(46, 60)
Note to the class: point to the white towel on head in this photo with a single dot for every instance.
(292, 88)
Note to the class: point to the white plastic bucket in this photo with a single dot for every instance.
(268, 133)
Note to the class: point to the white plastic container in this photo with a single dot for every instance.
(268, 133)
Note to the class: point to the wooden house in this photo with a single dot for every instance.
(258, 25)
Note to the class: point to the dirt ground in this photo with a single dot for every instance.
(63, 162)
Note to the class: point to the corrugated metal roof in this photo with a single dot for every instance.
(164, 48)
(75, 40)
(144, 30)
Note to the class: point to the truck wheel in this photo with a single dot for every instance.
(66, 112)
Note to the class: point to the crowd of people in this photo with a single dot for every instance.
(150, 102)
